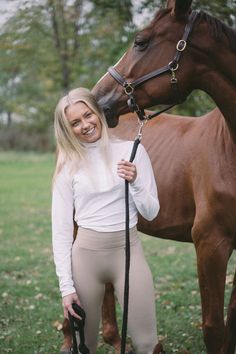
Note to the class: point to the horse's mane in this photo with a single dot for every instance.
(218, 28)
(158, 15)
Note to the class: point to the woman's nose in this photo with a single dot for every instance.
(85, 124)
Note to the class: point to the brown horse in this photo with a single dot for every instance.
(194, 160)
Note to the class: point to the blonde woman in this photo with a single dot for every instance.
(88, 187)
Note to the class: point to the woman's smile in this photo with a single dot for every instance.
(90, 131)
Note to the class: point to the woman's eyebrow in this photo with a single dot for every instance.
(87, 112)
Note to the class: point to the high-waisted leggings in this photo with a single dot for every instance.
(99, 258)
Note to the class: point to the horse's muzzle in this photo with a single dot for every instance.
(111, 116)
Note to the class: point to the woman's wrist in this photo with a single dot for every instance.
(67, 302)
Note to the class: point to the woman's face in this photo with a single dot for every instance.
(85, 123)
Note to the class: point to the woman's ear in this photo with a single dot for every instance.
(179, 8)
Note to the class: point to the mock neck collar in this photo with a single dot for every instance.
(93, 145)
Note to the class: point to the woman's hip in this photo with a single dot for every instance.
(101, 241)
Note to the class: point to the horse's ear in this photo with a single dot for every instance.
(179, 8)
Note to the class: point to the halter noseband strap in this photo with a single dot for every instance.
(171, 67)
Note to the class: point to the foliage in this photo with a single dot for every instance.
(48, 45)
(26, 137)
(28, 85)
(30, 306)
(224, 10)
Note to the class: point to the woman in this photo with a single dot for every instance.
(88, 187)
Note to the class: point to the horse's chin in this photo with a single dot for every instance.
(111, 117)
(113, 123)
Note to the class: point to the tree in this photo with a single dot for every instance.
(223, 9)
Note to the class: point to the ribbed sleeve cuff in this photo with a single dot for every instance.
(68, 291)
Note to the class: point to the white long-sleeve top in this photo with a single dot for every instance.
(97, 195)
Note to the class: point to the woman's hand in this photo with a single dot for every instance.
(67, 302)
(127, 170)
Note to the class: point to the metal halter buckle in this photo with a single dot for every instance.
(181, 45)
(128, 88)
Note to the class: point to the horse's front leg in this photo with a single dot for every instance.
(230, 342)
(67, 339)
(109, 322)
(213, 251)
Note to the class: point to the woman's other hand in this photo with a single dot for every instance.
(127, 170)
(67, 302)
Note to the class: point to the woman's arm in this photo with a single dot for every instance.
(62, 230)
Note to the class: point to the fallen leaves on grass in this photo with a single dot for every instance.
(57, 325)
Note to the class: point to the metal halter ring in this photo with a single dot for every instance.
(181, 45)
(128, 88)
(176, 67)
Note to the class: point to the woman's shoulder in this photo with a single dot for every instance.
(126, 145)
(65, 174)
(119, 143)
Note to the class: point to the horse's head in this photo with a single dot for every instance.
(154, 47)
(173, 36)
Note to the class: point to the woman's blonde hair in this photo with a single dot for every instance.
(69, 149)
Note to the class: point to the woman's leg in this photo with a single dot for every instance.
(141, 318)
(90, 291)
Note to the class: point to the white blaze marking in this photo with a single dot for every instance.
(113, 66)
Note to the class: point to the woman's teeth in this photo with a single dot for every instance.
(90, 131)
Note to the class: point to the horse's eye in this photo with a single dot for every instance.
(140, 43)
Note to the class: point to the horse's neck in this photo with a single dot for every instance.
(220, 84)
(224, 61)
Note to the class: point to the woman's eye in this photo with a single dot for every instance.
(75, 124)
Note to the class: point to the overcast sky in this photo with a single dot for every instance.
(8, 7)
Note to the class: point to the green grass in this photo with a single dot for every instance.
(30, 303)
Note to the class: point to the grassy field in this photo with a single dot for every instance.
(30, 303)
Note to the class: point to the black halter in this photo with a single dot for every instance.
(172, 67)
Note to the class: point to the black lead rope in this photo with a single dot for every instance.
(78, 325)
(127, 252)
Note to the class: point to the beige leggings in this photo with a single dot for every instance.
(99, 258)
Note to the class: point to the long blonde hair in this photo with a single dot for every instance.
(69, 149)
